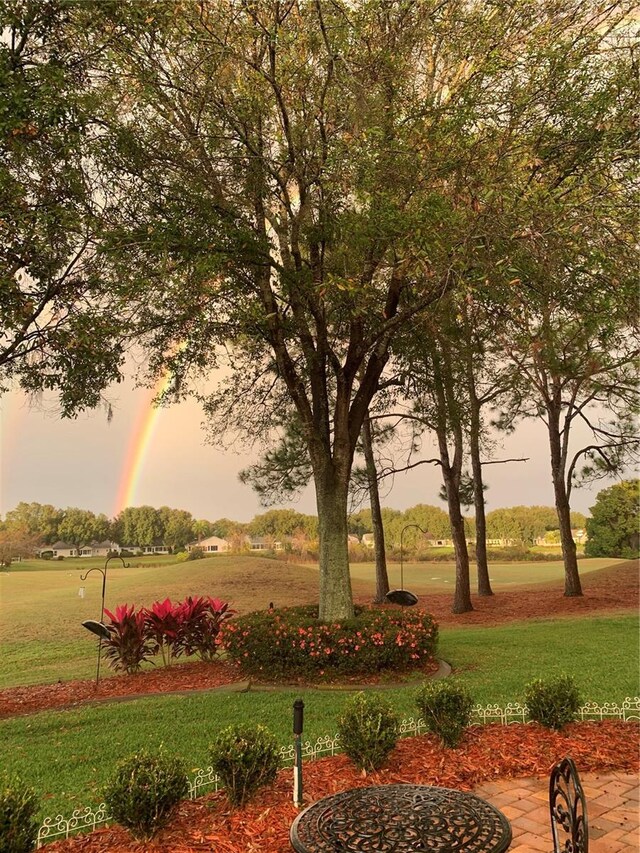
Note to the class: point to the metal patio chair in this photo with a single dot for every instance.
(568, 808)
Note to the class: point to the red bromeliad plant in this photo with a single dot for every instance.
(128, 646)
(201, 619)
(163, 623)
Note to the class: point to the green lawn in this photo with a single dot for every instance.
(81, 564)
(440, 577)
(42, 638)
(68, 755)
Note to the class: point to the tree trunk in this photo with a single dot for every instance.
(448, 423)
(462, 595)
(484, 585)
(451, 479)
(572, 586)
(336, 599)
(382, 578)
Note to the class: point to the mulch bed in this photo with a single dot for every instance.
(184, 676)
(15, 701)
(615, 588)
(486, 753)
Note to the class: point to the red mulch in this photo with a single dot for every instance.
(487, 752)
(185, 676)
(15, 701)
(605, 590)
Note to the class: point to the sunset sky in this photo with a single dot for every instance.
(93, 464)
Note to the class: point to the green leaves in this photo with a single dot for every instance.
(613, 529)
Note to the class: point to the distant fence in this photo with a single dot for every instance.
(89, 818)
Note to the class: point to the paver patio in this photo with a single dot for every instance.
(612, 810)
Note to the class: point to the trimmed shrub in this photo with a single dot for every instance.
(553, 702)
(445, 707)
(368, 730)
(144, 792)
(291, 643)
(18, 807)
(196, 553)
(245, 758)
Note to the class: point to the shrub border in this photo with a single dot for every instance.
(89, 818)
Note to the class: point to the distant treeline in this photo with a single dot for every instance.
(33, 525)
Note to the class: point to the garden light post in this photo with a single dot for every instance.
(298, 719)
(99, 627)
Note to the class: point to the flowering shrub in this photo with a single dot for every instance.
(291, 642)
(190, 627)
(129, 644)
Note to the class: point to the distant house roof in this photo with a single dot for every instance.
(60, 546)
(210, 540)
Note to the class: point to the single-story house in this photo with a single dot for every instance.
(260, 543)
(367, 540)
(59, 549)
(99, 549)
(210, 545)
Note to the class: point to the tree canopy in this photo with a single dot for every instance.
(614, 526)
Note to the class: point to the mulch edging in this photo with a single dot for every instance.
(177, 680)
(487, 753)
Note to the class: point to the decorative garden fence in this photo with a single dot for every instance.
(514, 712)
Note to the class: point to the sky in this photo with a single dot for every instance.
(159, 457)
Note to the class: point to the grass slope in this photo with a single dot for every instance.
(67, 756)
(41, 612)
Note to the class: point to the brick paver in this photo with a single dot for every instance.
(612, 811)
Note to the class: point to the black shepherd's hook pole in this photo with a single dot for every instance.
(103, 572)
(406, 527)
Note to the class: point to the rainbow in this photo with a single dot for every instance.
(139, 443)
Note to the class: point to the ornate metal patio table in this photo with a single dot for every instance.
(401, 819)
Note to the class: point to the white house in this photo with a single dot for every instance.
(210, 545)
(367, 540)
(99, 549)
(60, 549)
(260, 543)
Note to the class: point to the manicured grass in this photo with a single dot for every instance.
(41, 634)
(67, 756)
(440, 577)
(42, 639)
(81, 564)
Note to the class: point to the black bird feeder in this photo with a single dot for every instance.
(402, 596)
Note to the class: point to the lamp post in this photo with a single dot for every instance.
(100, 628)
(298, 719)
